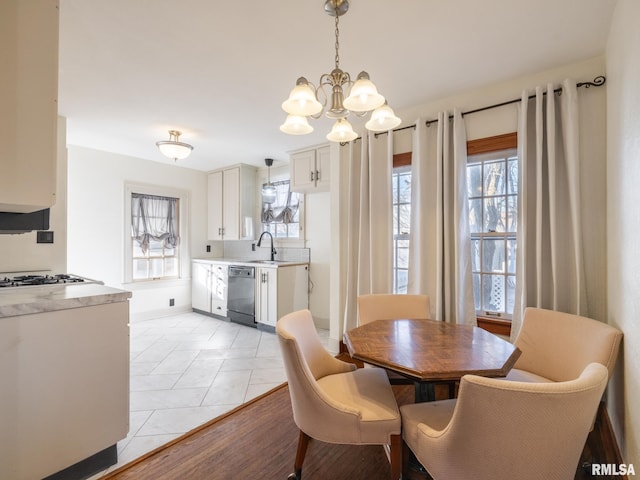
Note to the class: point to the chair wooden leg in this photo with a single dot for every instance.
(452, 389)
(396, 456)
(406, 458)
(303, 443)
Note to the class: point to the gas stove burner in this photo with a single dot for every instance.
(27, 280)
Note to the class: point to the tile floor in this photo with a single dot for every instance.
(189, 368)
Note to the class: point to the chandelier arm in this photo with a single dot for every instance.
(322, 93)
(326, 79)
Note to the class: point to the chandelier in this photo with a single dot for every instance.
(363, 97)
(174, 148)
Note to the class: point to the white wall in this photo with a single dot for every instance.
(504, 120)
(96, 232)
(623, 222)
(21, 252)
(318, 238)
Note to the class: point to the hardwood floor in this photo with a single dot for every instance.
(259, 440)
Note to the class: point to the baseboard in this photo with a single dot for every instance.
(89, 466)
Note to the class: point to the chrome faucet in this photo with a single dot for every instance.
(273, 250)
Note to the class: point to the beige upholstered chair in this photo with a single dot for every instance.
(332, 400)
(557, 346)
(391, 306)
(499, 429)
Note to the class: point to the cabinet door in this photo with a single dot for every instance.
(219, 285)
(323, 169)
(302, 171)
(293, 289)
(231, 204)
(214, 196)
(28, 95)
(200, 287)
(267, 296)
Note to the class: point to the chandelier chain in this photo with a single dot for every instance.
(337, 40)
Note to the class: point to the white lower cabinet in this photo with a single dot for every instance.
(280, 290)
(64, 386)
(209, 287)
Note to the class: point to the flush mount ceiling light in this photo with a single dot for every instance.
(173, 148)
(268, 190)
(363, 97)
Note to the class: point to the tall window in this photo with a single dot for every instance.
(401, 178)
(492, 186)
(155, 237)
(282, 217)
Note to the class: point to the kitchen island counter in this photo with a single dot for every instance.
(50, 298)
(64, 378)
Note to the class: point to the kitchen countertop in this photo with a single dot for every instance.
(251, 263)
(47, 298)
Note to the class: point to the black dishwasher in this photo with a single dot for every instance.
(241, 295)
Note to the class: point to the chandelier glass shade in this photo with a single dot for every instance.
(174, 148)
(382, 119)
(342, 132)
(362, 97)
(296, 125)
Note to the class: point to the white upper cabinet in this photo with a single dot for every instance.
(28, 95)
(310, 170)
(231, 198)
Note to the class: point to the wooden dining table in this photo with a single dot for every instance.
(429, 351)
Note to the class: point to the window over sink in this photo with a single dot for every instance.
(282, 217)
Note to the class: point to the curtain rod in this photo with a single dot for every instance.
(597, 82)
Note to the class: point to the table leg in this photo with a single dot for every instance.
(425, 392)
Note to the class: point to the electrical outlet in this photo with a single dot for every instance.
(253, 247)
(208, 248)
(172, 302)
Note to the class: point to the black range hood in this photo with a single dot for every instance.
(11, 223)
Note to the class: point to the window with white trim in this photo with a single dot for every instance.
(492, 187)
(282, 217)
(155, 236)
(401, 178)
(156, 243)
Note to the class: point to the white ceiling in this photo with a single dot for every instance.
(130, 70)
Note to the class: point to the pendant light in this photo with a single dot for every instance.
(268, 190)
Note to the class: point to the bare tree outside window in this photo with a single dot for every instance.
(401, 227)
(492, 187)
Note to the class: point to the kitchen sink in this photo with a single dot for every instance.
(268, 262)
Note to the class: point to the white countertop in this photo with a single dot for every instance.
(16, 301)
(250, 262)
